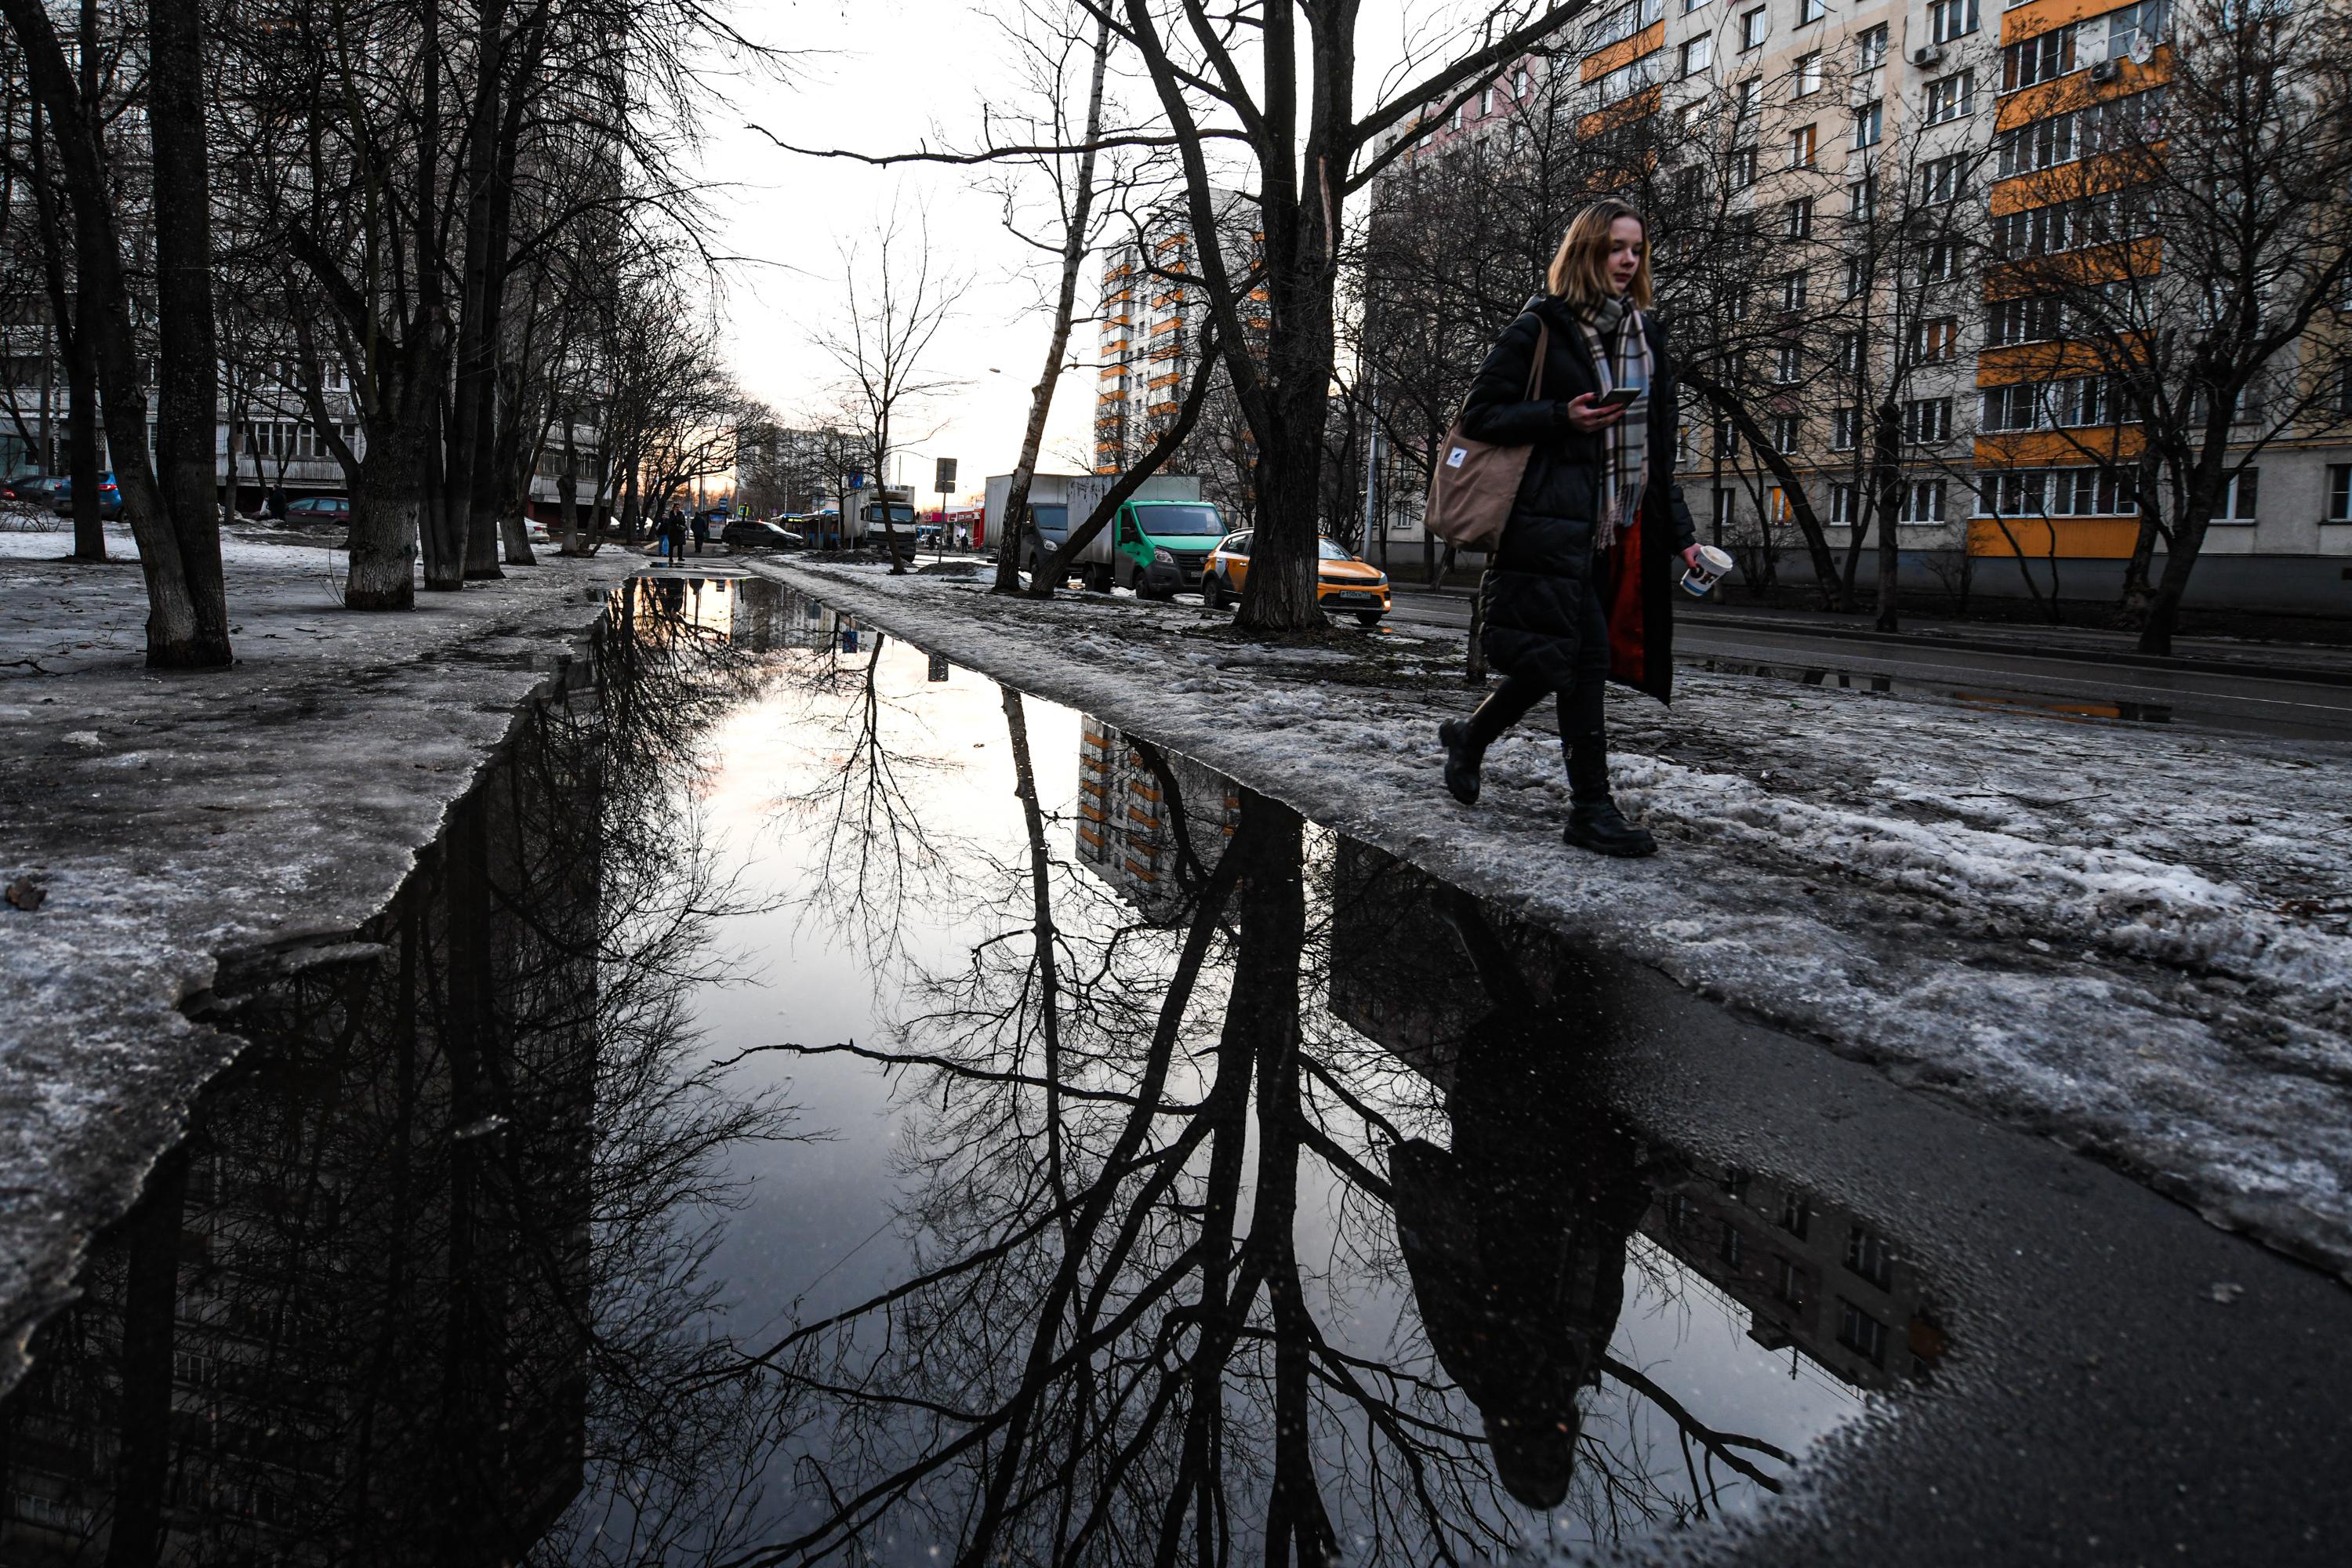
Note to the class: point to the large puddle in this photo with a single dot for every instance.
(814, 1103)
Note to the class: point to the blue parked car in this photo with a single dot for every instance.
(110, 497)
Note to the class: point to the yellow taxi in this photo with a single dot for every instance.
(1344, 580)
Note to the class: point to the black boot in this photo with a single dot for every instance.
(1463, 756)
(1594, 822)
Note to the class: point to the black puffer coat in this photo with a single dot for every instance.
(1537, 581)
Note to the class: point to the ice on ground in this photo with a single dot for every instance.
(171, 815)
(2135, 940)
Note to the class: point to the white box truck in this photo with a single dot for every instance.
(1155, 546)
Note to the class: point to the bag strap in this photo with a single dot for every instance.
(1535, 371)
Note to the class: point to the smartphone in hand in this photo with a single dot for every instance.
(1617, 397)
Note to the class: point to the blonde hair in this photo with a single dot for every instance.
(1579, 273)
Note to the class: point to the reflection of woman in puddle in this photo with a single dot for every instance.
(1516, 1237)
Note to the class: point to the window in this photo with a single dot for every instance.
(1698, 54)
(1796, 1215)
(1951, 98)
(1844, 505)
(1870, 48)
(2239, 501)
(1789, 367)
(2043, 58)
(2060, 492)
(2129, 25)
(1809, 74)
(1942, 262)
(1626, 81)
(2032, 319)
(1810, 11)
(1753, 25)
(1857, 274)
(1803, 143)
(1793, 289)
(1735, 305)
(1722, 512)
(1729, 1248)
(1861, 199)
(1787, 429)
(1841, 429)
(1867, 1257)
(2339, 492)
(1799, 217)
(1691, 5)
(1519, 83)
(1944, 179)
(2344, 390)
(2016, 407)
(1927, 421)
(1849, 352)
(1870, 123)
(1949, 20)
(1923, 501)
(1860, 1333)
(1743, 167)
(1622, 22)
(1936, 340)
(1748, 97)
(1788, 1284)
(1727, 439)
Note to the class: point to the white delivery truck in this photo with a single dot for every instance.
(1155, 546)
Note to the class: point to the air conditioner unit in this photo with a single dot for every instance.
(2106, 70)
(1927, 55)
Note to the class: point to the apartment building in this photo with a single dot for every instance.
(1152, 322)
(267, 438)
(1825, 121)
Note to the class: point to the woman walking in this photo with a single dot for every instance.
(1580, 590)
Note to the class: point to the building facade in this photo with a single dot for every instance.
(1827, 139)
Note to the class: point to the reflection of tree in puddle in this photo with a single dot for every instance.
(1110, 1343)
(432, 1250)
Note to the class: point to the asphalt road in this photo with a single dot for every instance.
(2084, 687)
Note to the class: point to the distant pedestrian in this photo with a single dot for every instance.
(274, 503)
(1581, 590)
(674, 537)
(701, 531)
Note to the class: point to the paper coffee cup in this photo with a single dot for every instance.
(1712, 564)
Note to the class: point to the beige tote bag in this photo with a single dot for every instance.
(1476, 483)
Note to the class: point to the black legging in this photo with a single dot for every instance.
(1583, 726)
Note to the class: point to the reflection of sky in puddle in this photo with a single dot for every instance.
(819, 1234)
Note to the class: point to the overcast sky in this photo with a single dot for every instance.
(876, 76)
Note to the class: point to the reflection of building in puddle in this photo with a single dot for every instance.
(1128, 827)
(343, 1324)
(1813, 1277)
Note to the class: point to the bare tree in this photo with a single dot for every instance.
(897, 294)
(2187, 300)
(178, 532)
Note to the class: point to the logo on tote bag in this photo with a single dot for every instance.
(1453, 459)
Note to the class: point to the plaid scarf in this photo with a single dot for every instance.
(1620, 349)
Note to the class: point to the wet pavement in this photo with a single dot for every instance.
(814, 1103)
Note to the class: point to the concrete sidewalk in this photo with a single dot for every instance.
(165, 819)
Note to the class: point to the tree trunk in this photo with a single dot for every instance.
(2137, 592)
(385, 518)
(187, 364)
(1886, 488)
(567, 492)
(1041, 396)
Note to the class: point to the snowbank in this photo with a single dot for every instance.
(169, 818)
(2131, 939)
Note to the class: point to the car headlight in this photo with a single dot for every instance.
(1163, 557)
